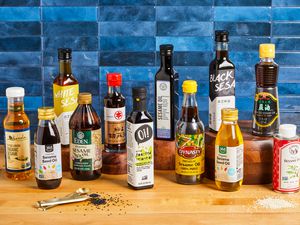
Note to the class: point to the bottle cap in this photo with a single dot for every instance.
(85, 98)
(189, 86)
(46, 113)
(15, 92)
(229, 114)
(221, 36)
(114, 79)
(287, 130)
(139, 93)
(166, 49)
(267, 51)
(64, 53)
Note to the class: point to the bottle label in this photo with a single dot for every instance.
(17, 150)
(140, 169)
(114, 125)
(163, 109)
(221, 95)
(190, 153)
(85, 150)
(65, 102)
(48, 161)
(266, 109)
(229, 163)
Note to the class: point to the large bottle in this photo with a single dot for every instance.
(85, 140)
(114, 115)
(266, 104)
(221, 81)
(166, 94)
(140, 168)
(65, 92)
(17, 136)
(190, 150)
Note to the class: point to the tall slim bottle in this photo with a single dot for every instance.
(166, 95)
(65, 92)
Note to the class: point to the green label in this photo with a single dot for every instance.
(82, 137)
(222, 150)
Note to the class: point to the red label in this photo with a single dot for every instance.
(189, 152)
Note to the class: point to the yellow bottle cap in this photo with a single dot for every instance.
(267, 51)
(85, 98)
(46, 113)
(229, 114)
(189, 86)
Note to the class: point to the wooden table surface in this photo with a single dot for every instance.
(167, 203)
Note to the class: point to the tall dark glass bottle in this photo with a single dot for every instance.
(166, 95)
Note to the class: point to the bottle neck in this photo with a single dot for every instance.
(140, 106)
(65, 67)
(166, 62)
(229, 122)
(45, 123)
(267, 60)
(221, 50)
(15, 104)
(114, 89)
(189, 100)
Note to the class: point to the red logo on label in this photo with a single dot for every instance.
(118, 115)
(189, 152)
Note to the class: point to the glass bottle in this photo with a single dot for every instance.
(229, 153)
(17, 136)
(114, 115)
(166, 95)
(140, 155)
(190, 149)
(65, 93)
(221, 81)
(85, 140)
(266, 105)
(47, 146)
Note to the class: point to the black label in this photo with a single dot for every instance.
(143, 134)
(221, 83)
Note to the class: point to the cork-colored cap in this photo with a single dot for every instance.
(85, 98)
(230, 114)
(46, 113)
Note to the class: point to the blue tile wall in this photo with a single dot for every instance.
(124, 36)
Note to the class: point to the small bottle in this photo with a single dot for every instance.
(17, 136)
(190, 150)
(65, 92)
(47, 149)
(140, 168)
(167, 98)
(266, 105)
(286, 160)
(229, 153)
(85, 140)
(114, 115)
(221, 81)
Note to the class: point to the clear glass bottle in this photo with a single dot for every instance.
(229, 153)
(17, 136)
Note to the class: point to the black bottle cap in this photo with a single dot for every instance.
(139, 92)
(221, 36)
(166, 49)
(64, 53)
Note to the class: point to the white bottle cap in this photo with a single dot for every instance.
(14, 92)
(287, 130)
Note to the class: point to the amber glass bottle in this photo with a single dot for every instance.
(17, 136)
(85, 140)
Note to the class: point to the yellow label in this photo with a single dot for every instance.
(17, 150)
(190, 154)
(65, 98)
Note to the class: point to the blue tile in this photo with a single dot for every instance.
(245, 89)
(78, 58)
(243, 3)
(185, 2)
(184, 28)
(70, 29)
(244, 58)
(70, 3)
(19, 28)
(287, 117)
(123, 44)
(245, 73)
(199, 73)
(127, 28)
(289, 88)
(286, 29)
(184, 13)
(75, 43)
(192, 58)
(19, 3)
(20, 44)
(285, 3)
(240, 14)
(127, 59)
(288, 74)
(19, 14)
(246, 43)
(127, 2)
(30, 102)
(288, 59)
(127, 13)
(286, 44)
(186, 43)
(69, 14)
(286, 14)
(33, 88)
(245, 28)
(20, 59)
(7, 74)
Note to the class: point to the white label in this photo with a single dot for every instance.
(215, 108)
(140, 169)
(114, 114)
(48, 161)
(163, 109)
(62, 122)
(289, 166)
(229, 163)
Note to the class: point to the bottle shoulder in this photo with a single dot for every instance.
(137, 117)
(166, 74)
(114, 100)
(65, 80)
(85, 117)
(221, 64)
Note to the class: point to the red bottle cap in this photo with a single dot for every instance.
(114, 79)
